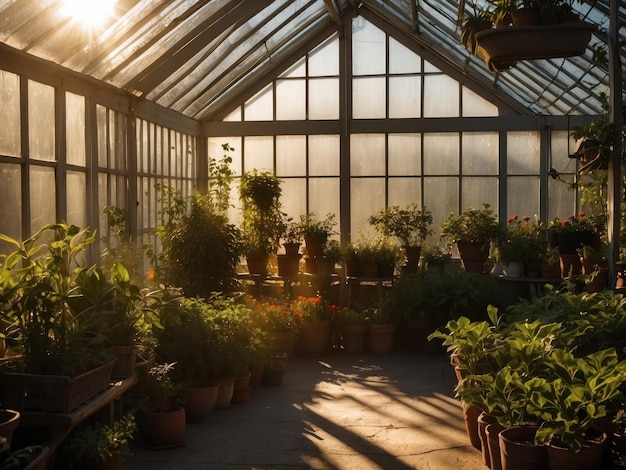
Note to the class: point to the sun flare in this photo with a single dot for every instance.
(90, 13)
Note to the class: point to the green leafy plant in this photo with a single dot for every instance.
(316, 230)
(478, 225)
(161, 390)
(410, 224)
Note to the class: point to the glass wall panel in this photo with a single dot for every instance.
(260, 106)
(102, 126)
(441, 153)
(367, 197)
(405, 154)
(324, 155)
(368, 98)
(234, 115)
(290, 100)
(216, 151)
(441, 196)
(404, 97)
(476, 191)
(10, 142)
(293, 197)
(77, 198)
(258, 153)
(324, 98)
(290, 155)
(522, 153)
(404, 191)
(402, 59)
(368, 48)
(75, 129)
(441, 96)
(562, 145)
(561, 200)
(324, 60)
(41, 123)
(43, 208)
(324, 197)
(480, 153)
(11, 201)
(367, 156)
(475, 105)
(523, 196)
(296, 70)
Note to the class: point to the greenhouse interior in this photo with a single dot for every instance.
(151, 151)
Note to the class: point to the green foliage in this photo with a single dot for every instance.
(379, 249)
(313, 228)
(118, 244)
(160, 389)
(410, 224)
(220, 180)
(478, 225)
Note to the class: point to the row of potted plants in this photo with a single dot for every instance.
(554, 365)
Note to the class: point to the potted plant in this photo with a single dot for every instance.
(410, 225)
(351, 324)
(163, 418)
(381, 327)
(473, 230)
(436, 258)
(316, 232)
(289, 262)
(313, 314)
(99, 446)
(263, 221)
(594, 267)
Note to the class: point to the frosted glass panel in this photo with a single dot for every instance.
(441, 96)
(561, 200)
(368, 48)
(523, 196)
(403, 191)
(402, 59)
(324, 197)
(293, 197)
(10, 143)
(561, 152)
(478, 191)
(260, 106)
(324, 60)
(234, 115)
(405, 154)
(42, 197)
(77, 198)
(476, 105)
(367, 197)
(259, 153)
(41, 123)
(324, 98)
(324, 155)
(290, 99)
(404, 97)
(75, 130)
(216, 151)
(441, 196)
(480, 153)
(103, 153)
(441, 153)
(291, 155)
(367, 154)
(368, 99)
(522, 153)
(430, 68)
(296, 70)
(11, 199)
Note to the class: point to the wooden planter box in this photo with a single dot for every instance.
(501, 48)
(52, 393)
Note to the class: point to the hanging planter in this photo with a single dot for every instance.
(501, 48)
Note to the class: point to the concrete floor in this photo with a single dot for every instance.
(392, 412)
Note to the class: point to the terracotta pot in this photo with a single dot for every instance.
(569, 242)
(314, 246)
(380, 338)
(412, 254)
(310, 265)
(282, 342)
(588, 458)
(470, 416)
(518, 450)
(473, 255)
(570, 265)
(9, 421)
(313, 337)
(493, 430)
(125, 360)
(257, 264)
(199, 399)
(288, 265)
(292, 248)
(353, 338)
(485, 420)
(163, 430)
(114, 462)
(225, 392)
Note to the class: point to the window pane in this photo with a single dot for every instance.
(11, 201)
(10, 143)
(324, 98)
(404, 191)
(324, 197)
(259, 153)
(562, 147)
(367, 156)
(475, 105)
(42, 200)
(293, 197)
(404, 97)
(368, 99)
(216, 151)
(405, 154)
(368, 43)
(480, 153)
(479, 191)
(260, 106)
(402, 59)
(441, 196)
(324, 155)
(324, 60)
(367, 197)
(441, 96)
(290, 99)
(77, 198)
(101, 119)
(41, 121)
(441, 153)
(561, 201)
(75, 130)
(522, 153)
(523, 196)
(291, 155)
(296, 70)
